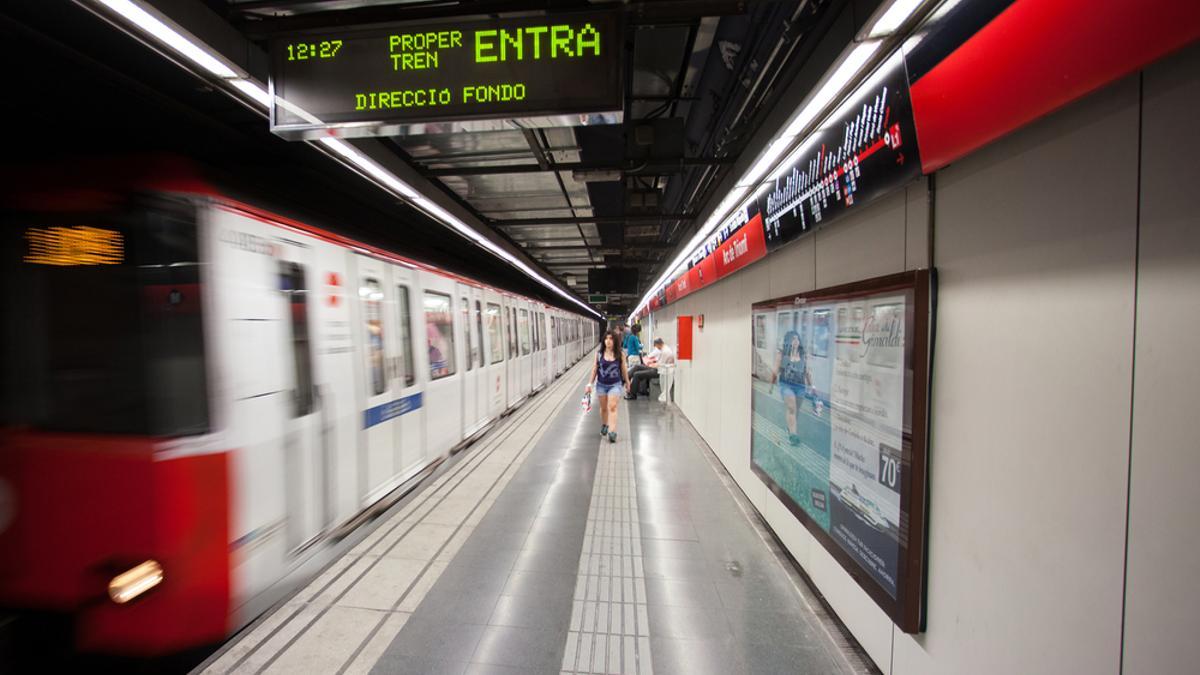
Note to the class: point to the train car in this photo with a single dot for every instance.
(199, 391)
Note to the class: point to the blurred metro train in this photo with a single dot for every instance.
(198, 390)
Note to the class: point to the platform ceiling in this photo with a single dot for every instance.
(700, 78)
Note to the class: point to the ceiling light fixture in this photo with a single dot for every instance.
(253, 90)
(892, 17)
(840, 80)
(170, 37)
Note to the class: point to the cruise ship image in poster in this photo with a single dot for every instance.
(867, 419)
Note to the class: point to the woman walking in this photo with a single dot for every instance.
(608, 373)
(791, 372)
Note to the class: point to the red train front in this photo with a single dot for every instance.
(104, 371)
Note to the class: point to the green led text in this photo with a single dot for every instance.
(532, 42)
(425, 98)
(419, 51)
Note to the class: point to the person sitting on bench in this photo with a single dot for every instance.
(640, 375)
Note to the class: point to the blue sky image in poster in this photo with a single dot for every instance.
(828, 418)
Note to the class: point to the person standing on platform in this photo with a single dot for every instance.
(608, 373)
(791, 372)
(661, 356)
(632, 346)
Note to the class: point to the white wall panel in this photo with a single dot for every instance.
(1035, 250)
(916, 225)
(1164, 552)
(869, 244)
(793, 269)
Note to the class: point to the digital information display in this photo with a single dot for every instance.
(867, 149)
(838, 433)
(451, 70)
(74, 246)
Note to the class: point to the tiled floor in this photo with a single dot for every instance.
(548, 550)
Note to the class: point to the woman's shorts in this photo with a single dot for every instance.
(790, 390)
(609, 389)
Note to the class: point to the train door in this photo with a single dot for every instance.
(444, 392)
(493, 321)
(408, 409)
(513, 367)
(468, 356)
(377, 459)
(559, 353)
(305, 474)
(572, 342)
(479, 353)
(539, 349)
(525, 342)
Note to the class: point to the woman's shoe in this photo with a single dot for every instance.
(612, 437)
(793, 439)
(603, 431)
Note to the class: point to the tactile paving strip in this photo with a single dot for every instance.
(610, 631)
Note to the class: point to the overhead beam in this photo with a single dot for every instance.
(599, 249)
(599, 220)
(625, 262)
(648, 167)
(251, 20)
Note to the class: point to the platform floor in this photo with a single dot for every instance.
(544, 549)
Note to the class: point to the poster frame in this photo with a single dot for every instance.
(907, 609)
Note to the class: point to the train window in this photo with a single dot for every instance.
(495, 339)
(406, 345)
(295, 292)
(523, 324)
(513, 333)
(478, 348)
(537, 342)
(466, 314)
(439, 328)
(372, 295)
(111, 344)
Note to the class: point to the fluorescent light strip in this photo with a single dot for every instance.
(462, 228)
(169, 37)
(893, 17)
(253, 90)
(766, 161)
(369, 167)
(833, 86)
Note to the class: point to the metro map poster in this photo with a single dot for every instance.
(833, 420)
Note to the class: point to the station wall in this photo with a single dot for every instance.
(1063, 456)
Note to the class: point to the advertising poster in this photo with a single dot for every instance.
(832, 423)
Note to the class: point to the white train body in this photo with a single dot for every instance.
(333, 376)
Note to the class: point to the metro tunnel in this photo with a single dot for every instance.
(760, 336)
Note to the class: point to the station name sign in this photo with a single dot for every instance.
(507, 68)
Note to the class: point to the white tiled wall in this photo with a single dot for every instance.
(1036, 242)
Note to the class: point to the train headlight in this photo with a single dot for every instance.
(130, 584)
